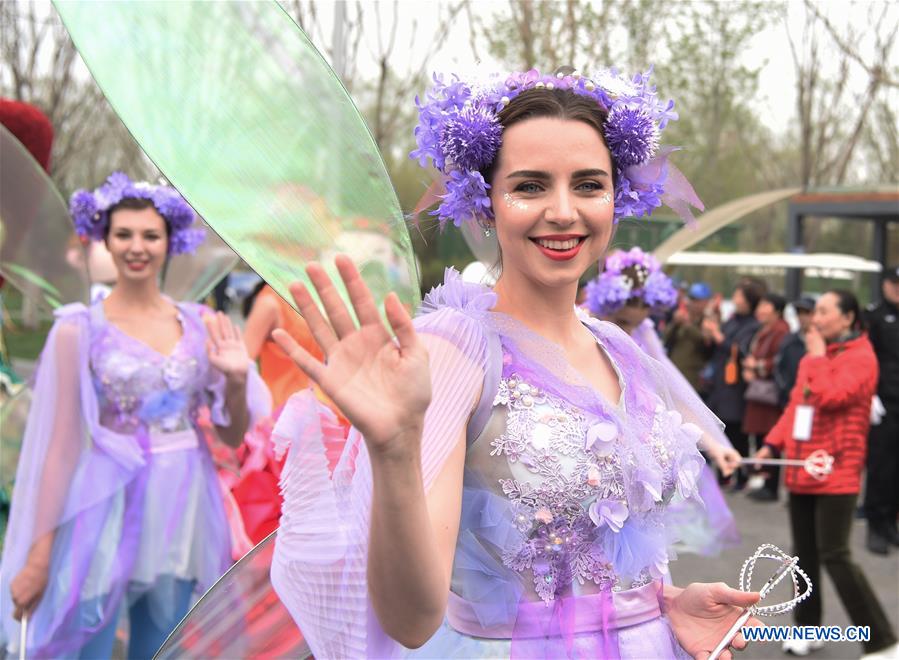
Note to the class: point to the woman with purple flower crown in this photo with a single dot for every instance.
(630, 287)
(505, 488)
(116, 498)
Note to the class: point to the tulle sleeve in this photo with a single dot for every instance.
(69, 471)
(683, 396)
(319, 566)
(705, 525)
(259, 399)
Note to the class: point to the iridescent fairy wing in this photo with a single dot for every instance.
(193, 276)
(39, 252)
(244, 117)
(239, 617)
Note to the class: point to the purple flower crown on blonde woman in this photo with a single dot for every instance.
(610, 291)
(460, 133)
(90, 211)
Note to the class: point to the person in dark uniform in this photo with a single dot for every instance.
(882, 485)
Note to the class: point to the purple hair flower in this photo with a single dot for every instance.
(459, 133)
(631, 134)
(637, 200)
(466, 199)
(628, 275)
(86, 215)
(472, 138)
(659, 292)
(90, 210)
(186, 241)
(607, 294)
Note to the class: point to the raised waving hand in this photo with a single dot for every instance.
(382, 385)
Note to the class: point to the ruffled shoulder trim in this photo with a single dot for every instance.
(196, 309)
(71, 311)
(455, 293)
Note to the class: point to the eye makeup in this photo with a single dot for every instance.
(513, 203)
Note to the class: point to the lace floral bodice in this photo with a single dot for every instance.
(561, 472)
(138, 386)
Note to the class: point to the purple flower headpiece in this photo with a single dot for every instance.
(90, 211)
(627, 275)
(459, 132)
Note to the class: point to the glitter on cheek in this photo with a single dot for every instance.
(514, 203)
(606, 198)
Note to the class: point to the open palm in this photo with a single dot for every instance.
(225, 347)
(382, 386)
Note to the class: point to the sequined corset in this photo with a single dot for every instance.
(565, 486)
(138, 386)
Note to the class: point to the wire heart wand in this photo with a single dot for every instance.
(788, 566)
(819, 463)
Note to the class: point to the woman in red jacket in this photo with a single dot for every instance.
(829, 409)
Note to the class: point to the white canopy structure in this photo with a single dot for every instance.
(827, 265)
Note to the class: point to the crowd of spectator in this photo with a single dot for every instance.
(828, 387)
(745, 365)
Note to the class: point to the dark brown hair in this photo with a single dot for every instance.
(753, 289)
(848, 304)
(777, 301)
(557, 104)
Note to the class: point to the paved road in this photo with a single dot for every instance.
(767, 523)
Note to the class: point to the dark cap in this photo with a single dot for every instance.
(804, 304)
(891, 274)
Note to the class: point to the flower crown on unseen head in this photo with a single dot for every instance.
(628, 275)
(90, 211)
(460, 133)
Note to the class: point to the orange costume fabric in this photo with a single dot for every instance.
(278, 371)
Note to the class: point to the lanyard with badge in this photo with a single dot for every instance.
(803, 418)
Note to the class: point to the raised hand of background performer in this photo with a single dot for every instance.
(382, 386)
(225, 347)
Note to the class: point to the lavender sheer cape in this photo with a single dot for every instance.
(113, 465)
(319, 566)
(709, 529)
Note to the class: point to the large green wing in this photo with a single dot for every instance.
(241, 113)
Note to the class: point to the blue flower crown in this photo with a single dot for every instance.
(613, 288)
(459, 133)
(90, 211)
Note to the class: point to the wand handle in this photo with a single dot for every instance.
(734, 629)
(772, 461)
(23, 636)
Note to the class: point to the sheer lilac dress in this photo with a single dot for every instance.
(710, 528)
(564, 539)
(114, 465)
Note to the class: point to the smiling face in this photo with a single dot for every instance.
(138, 243)
(552, 197)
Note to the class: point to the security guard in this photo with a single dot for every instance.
(882, 489)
